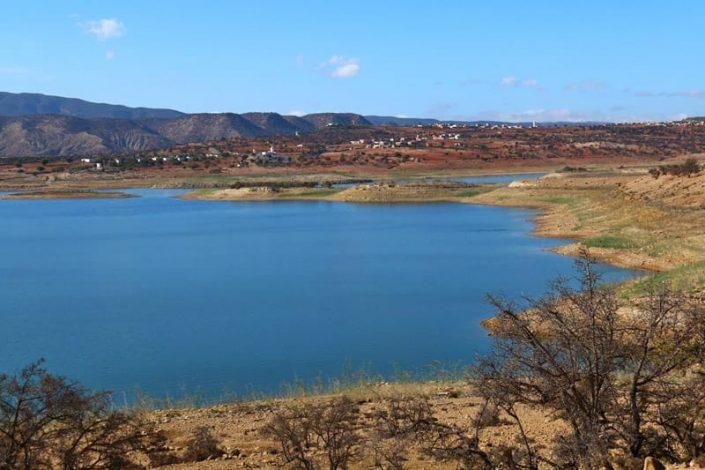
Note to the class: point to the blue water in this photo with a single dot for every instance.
(499, 178)
(168, 295)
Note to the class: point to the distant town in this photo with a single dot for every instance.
(395, 147)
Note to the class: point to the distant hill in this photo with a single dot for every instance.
(35, 124)
(28, 104)
(54, 135)
(67, 135)
(336, 119)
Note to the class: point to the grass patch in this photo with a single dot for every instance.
(689, 278)
(564, 200)
(616, 242)
(355, 383)
(469, 193)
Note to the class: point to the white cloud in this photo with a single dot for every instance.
(110, 55)
(340, 67)
(103, 29)
(513, 81)
(585, 86)
(508, 81)
(296, 113)
(346, 71)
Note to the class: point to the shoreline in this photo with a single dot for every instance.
(63, 195)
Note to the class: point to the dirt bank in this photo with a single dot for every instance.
(66, 195)
(628, 220)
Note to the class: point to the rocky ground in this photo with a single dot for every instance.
(237, 426)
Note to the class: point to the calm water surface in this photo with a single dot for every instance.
(170, 295)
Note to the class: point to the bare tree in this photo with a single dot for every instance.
(599, 365)
(400, 424)
(47, 422)
(331, 426)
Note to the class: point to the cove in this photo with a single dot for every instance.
(168, 295)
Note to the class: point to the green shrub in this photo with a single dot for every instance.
(610, 241)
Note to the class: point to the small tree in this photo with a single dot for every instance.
(602, 367)
(47, 422)
(331, 426)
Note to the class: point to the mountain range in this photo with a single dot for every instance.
(33, 124)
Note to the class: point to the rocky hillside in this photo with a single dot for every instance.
(65, 135)
(54, 135)
(33, 124)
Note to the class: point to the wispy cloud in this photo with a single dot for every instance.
(512, 81)
(585, 86)
(340, 67)
(299, 60)
(671, 94)
(612, 114)
(296, 112)
(104, 29)
(110, 55)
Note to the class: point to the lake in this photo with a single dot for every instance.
(170, 295)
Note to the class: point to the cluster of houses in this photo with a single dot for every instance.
(483, 125)
(392, 142)
(265, 158)
(446, 137)
(269, 158)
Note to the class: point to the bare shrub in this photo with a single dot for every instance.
(687, 168)
(202, 445)
(410, 421)
(451, 443)
(615, 375)
(403, 422)
(47, 422)
(331, 426)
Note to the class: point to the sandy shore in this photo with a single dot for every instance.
(381, 193)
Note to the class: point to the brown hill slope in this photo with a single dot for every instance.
(54, 135)
(65, 135)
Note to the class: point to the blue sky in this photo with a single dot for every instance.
(512, 60)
